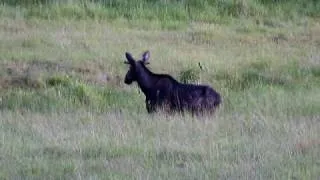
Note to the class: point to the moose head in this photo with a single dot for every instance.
(135, 66)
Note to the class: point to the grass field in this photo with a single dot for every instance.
(65, 112)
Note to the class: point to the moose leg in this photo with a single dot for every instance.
(150, 106)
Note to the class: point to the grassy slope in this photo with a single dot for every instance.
(62, 118)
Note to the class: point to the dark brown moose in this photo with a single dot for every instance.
(162, 91)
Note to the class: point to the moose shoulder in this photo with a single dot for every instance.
(162, 91)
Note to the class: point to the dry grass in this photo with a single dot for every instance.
(85, 145)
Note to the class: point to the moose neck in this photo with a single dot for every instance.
(145, 79)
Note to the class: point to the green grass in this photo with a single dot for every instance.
(170, 14)
(65, 112)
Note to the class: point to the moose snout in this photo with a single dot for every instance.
(127, 81)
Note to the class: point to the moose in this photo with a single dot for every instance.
(164, 92)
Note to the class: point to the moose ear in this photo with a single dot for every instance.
(145, 57)
(129, 58)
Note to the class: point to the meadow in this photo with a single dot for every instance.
(65, 112)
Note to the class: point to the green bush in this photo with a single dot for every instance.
(190, 75)
(59, 81)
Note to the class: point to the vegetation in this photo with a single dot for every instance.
(65, 112)
(167, 13)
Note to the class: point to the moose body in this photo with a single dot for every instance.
(162, 91)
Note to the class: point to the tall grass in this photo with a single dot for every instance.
(168, 10)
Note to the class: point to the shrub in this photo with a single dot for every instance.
(189, 75)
